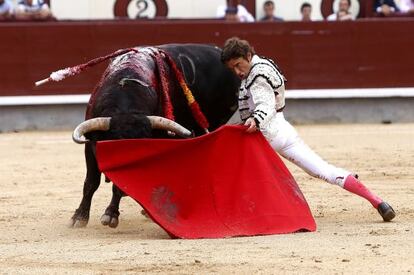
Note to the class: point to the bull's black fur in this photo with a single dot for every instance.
(129, 102)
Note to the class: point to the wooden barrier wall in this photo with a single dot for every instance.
(360, 54)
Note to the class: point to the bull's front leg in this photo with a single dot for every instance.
(91, 184)
(110, 217)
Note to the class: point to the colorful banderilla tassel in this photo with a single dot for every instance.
(167, 105)
(192, 103)
(70, 71)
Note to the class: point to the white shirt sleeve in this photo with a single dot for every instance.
(406, 5)
(244, 15)
(403, 6)
(264, 100)
(332, 17)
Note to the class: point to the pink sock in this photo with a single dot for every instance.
(355, 186)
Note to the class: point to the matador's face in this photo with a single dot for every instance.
(240, 66)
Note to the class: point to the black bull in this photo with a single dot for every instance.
(130, 90)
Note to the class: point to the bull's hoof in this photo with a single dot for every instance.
(78, 220)
(110, 217)
(109, 221)
(77, 223)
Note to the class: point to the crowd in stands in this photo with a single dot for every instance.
(237, 12)
(25, 10)
(232, 11)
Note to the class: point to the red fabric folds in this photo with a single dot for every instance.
(223, 184)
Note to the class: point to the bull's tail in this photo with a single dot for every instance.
(70, 71)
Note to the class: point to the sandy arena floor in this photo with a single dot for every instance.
(41, 179)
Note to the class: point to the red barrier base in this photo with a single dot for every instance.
(223, 184)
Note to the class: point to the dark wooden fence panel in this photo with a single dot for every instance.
(363, 53)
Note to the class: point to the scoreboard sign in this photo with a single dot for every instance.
(141, 8)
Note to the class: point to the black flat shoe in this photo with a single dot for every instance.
(386, 211)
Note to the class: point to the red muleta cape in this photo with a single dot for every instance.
(223, 184)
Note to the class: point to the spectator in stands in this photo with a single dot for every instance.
(343, 13)
(231, 15)
(6, 10)
(406, 6)
(306, 11)
(385, 7)
(33, 10)
(269, 11)
(242, 14)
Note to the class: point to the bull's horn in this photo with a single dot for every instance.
(163, 123)
(93, 124)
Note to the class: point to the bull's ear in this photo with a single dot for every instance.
(125, 80)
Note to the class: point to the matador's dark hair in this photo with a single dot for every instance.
(235, 47)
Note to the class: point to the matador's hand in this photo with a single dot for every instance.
(251, 124)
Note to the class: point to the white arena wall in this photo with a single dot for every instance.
(388, 105)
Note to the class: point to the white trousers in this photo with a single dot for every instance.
(286, 141)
